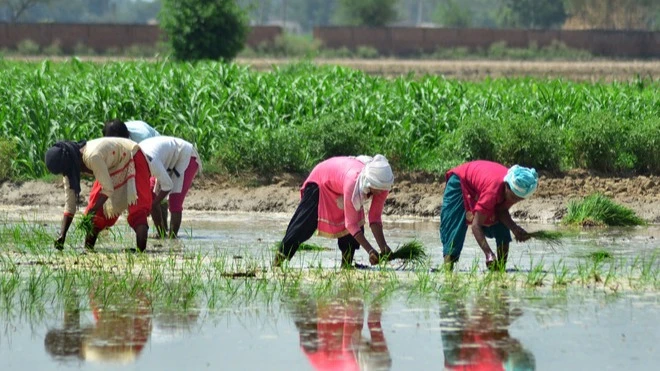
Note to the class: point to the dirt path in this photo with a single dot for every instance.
(413, 195)
(595, 70)
(606, 70)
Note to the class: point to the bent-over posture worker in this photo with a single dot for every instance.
(479, 194)
(332, 201)
(174, 164)
(122, 182)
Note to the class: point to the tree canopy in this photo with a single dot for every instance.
(204, 29)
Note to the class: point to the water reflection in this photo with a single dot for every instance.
(476, 336)
(331, 335)
(118, 334)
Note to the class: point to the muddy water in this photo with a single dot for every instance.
(582, 331)
(574, 328)
(256, 234)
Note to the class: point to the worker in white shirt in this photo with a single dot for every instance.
(174, 163)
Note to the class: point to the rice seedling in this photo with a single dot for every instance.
(599, 210)
(85, 224)
(410, 252)
(599, 255)
(551, 238)
(560, 273)
(304, 247)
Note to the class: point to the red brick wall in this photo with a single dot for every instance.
(406, 40)
(387, 40)
(101, 37)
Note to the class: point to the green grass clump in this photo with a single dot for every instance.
(599, 210)
(412, 251)
(600, 255)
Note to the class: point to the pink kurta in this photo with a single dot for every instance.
(336, 178)
(482, 183)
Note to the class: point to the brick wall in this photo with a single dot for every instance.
(101, 37)
(407, 40)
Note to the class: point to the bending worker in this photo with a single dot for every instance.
(479, 194)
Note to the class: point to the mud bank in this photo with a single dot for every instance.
(414, 194)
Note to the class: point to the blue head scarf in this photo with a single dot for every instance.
(522, 180)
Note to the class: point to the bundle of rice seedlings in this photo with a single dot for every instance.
(599, 210)
(85, 223)
(412, 251)
(552, 238)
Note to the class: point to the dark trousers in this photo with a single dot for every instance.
(304, 222)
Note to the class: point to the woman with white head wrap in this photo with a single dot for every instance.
(332, 202)
(479, 194)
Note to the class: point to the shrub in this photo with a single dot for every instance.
(498, 49)
(644, 141)
(367, 52)
(27, 47)
(342, 52)
(334, 136)
(265, 151)
(558, 50)
(54, 49)
(137, 50)
(112, 51)
(289, 45)
(527, 141)
(596, 141)
(598, 210)
(81, 49)
(477, 139)
(7, 154)
(204, 29)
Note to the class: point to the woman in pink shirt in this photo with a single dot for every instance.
(332, 202)
(479, 194)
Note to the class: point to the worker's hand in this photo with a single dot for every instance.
(491, 260)
(59, 243)
(520, 234)
(374, 258)
(385, 251)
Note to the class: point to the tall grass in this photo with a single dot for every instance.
(293, 117)
(599, 210)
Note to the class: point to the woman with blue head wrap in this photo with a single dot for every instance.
(479, 194)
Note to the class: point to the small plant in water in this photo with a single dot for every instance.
(600, 255)
(599, 210)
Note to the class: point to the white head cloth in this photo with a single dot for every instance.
(376, 174)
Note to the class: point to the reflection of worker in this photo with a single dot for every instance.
(119, 333)
(480, 340)
(331, 336)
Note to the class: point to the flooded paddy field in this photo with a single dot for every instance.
(211, 300)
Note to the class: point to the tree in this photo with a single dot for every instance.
(451, 13)
(204, 29)
(532, 13)
(613, 14)
(16, 8)
(372, 13)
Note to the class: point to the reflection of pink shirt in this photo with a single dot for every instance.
(477, 354)
(336, 178)
(482, 183)
(336, 327)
